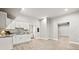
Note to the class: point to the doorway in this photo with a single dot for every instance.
(63, 30)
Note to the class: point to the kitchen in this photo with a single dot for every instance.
(13, 32)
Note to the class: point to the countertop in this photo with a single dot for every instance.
(6, 36)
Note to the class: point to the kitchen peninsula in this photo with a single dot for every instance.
(6, 43)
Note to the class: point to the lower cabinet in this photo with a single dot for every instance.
(21, 39)
(6, 43)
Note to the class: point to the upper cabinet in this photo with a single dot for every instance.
(3, 17)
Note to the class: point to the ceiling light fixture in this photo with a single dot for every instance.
(22, 9)
(66, 9)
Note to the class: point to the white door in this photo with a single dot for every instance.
(63, 30)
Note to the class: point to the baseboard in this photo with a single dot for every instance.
(53, 39)
(43, 38)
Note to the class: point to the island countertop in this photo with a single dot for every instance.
(5, 36)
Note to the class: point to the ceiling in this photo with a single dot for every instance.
(47, 12)
(37, 12)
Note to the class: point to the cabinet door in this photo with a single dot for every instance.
(16, 39)
(21, 39)
(3, 17)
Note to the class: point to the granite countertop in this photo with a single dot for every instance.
(11, 35)
(6, 36)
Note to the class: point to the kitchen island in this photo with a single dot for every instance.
(6, 42)
(18, 39)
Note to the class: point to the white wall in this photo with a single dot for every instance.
(44, 28)
(74, 28)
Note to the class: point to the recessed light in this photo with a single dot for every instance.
(22, 9)
(66, 9)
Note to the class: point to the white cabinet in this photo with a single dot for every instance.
(6, 43)
(21, 38)
(3, 17)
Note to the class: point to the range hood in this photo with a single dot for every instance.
(12, 13)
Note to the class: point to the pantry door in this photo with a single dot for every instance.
(63, 30)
